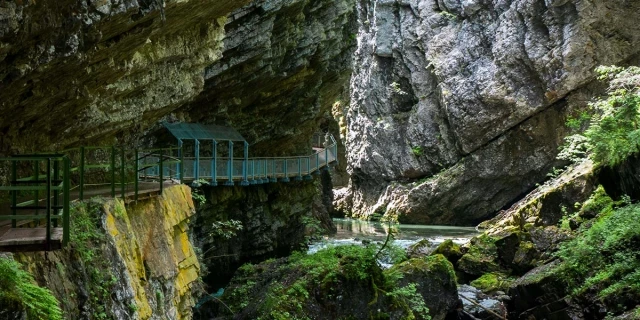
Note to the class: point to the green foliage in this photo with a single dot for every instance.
(604, 259)
(196, 192)
(225, 229)
(614, 134)
(555, 172)
(87, 238)
(18, 288)
(598, 202)
(395, 88)
(417, 151)
(411, 300)
(579, 121)
(575, 148)
(449, 16)
(159, 300)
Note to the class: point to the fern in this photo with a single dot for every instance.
(18, 286)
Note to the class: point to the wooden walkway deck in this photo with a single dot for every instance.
(30, 239)
(30, 236)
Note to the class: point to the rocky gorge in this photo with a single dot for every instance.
(446, 111)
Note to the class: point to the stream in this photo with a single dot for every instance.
(352, 231)
(360, 232)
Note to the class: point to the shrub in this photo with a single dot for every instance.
(614, 133)
(604, 258)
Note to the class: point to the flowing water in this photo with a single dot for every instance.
(356, 231)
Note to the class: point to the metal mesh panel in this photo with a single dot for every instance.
(190, 131)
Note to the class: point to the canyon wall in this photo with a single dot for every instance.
(458, 107)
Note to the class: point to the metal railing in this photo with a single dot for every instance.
(35, 179)
(259, 170)
(120, 170)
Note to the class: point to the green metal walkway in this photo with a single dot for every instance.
(35, 201)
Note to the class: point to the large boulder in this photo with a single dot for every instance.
(450, 250)
(341, 282)
(436, 282)
(538, 293)
(481, 257)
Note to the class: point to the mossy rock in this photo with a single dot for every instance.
(537, 288)
(481, 257)
(507, 246)
(436, 281)
(449, 250)
(526, 257)
(491, 282)
(342, 282)
(420, 249)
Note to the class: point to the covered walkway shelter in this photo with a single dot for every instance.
(206, 152)
(205, 160)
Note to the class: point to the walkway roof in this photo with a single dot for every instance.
(196, 131)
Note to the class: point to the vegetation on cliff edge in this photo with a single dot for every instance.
(18, 291)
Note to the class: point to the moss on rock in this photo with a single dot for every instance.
(342, 283)
(491, 282)
(481, 257)
(449, 250)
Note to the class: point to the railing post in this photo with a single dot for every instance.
(317, 163)
(230, 166)
(214, 164)
(36, 177)
(253, 170)
(14, 193)
(137, 177)
(274, 175)
(286, 170)
(326, 157)
(245, 165)
(161, 170)
(122, 178)
(299, 177)
(196, 167)
(181, 161)
(66, 199)
(81, 173)
(56, 192)
(48, 204)
(113, 171)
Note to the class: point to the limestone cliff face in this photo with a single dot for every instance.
(467, 99)
(285, 63)
(137, 262)
(87, 71)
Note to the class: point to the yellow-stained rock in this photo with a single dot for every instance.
(151, 238)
